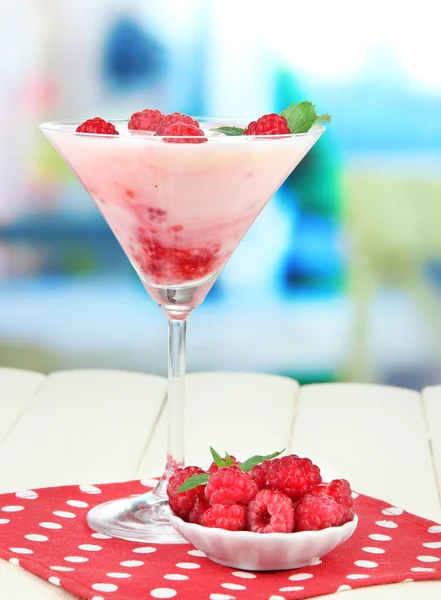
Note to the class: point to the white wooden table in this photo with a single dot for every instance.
(97, 426)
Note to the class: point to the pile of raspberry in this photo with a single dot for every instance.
(179, 128)
(279, 495)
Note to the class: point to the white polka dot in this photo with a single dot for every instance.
(355, 495)
(275, 597)
(163, 593)
(64, 569)
(187, 565)
(131, 563)
(76, 559)
(90, 547)
(243, 575)
(27, 494)
(176, 577)
(119, 575)
(49, 525)
(144, 550)
(101, 536)
(387, 524)
(373, 550)
(12, 508)
(104, 587)
(422, 570)
(357, 576)
(35, 537)
(233, 586)
(54, 580)
(14, 561)
(4, 521)
(300, 577)
(148, 482)
(366, 564)
(197, 553)
(432, 544)
(314, 562)
(344, 588)
(90, 489)
(64, 514)
(293, 588)
(379, 537)
(428, 559)
(21, 550)
(98, 598)
(77, 503)
(435, 529)
(221, 597)
(392, 510)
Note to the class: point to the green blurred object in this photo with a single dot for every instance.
(393, 225)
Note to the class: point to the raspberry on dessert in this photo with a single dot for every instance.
(213, 468)
(182, 503)
(258, 474)
(292, 475)
(230, 485)
(193, 135)
(173, 118)
(146, 120)
(317, 511)
(271, 124)
(231, 517)
(270, 512)
(200, 506)
(97, 125)
(340, 490)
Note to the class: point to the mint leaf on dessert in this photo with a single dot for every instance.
(228, 459)
(218, 460)
(302, 116)
(193, 482)
(256, 460)
(227, 130)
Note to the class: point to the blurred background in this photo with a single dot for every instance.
(340, 277)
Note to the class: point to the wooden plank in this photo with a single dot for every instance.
(432, 407)
(374, 436)
(16, 389)
(82, 426)
(429, 590)
(18, 584)
(242, 413)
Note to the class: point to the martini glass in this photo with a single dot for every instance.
(178, 210)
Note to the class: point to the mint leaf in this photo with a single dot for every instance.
(256, 460)
(227, 130)
(219, 461)
(228, 459)
(193, 482)
(302, 116)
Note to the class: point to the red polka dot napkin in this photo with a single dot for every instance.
(45, 532)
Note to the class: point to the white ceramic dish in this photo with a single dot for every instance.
(263, 552)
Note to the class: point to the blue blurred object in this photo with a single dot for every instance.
(133, 58)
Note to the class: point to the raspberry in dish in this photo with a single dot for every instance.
(230, 485)
(223, 516)
(146, 120)
(292, 475)
(314, 512)
(182, 503)
(174, 118)
(181, 133)
(259, 472)
(271, 124)
(97, 125)
(270, 512)
(200, 506)
(340, 490)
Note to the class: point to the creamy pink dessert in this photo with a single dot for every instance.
(179, 209)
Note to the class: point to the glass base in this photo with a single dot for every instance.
(141, 519)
